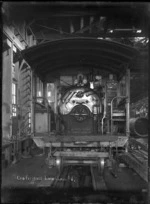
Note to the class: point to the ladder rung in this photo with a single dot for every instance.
(118, 114)
(118, 119)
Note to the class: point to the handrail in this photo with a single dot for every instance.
(47, 108)
(113, 101)
(123, 97)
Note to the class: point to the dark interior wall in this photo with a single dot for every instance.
(139, 87)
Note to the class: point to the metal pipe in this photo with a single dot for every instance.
(127, 102)
(112, 110)
(139, 127)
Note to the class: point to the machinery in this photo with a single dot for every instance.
(88, 121)
(91, 123)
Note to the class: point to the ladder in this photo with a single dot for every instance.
(118, 114)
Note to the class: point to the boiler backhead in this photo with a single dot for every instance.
(80, 96)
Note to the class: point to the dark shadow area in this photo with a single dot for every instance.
(49, 195)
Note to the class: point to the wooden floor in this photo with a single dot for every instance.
(31, 173)
(21, 174)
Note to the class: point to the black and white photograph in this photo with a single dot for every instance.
(75, 102)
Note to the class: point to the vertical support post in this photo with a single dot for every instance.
(127, 102)
(91, 21)
(81, 24)
(34, 91)
(118, 92)
(32, 102)
(148, 194)
(108, 126)
(56, 84)
(56, 98)
(48, 109)
(11, 64)
(106, 110)
(44, 90)
(71, 27)
(20, 85)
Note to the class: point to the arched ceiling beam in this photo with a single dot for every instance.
(79, 51)
(76, 44)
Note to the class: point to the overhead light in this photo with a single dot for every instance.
(92, 85)
(126, 30)
(49, 93)
(111, 31)
(139, 31)
(102, 161)
(58, 161)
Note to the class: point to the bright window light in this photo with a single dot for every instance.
(49, 94)
(111, 31)
(58, 161)
(102, 162)
(91, 85)
(139, 31)
(39, 93)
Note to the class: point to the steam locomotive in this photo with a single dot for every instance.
(84, 133)
(89, 120)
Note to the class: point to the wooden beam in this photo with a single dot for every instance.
(137, 165)
(13, 38)
(81, 24)
(71, 27)
(101, 23)
(80, 138)
(8, 43)
(83, 29)
(91, 21)
(20, 32)
(81, 154)
(60, 29)
(113, 36)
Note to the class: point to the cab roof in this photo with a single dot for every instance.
(66, 55)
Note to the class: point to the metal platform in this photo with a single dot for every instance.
(80, 141)
(81, 154)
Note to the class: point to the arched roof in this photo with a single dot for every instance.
(54, 56)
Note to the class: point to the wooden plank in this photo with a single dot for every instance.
(81, 154)
(13, 38)
(70, 138)
(97, 179)
(136, 142)
(72, 144)
(140, 168)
